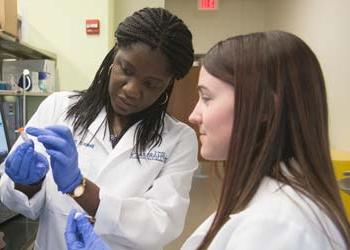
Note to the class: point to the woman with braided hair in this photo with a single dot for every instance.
(111, 151)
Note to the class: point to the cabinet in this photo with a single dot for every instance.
(184, 98)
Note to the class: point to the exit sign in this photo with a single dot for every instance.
(208, 4)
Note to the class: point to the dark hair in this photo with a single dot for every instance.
(159, 29)
(280, 114)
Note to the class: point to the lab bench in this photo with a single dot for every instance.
(19, 233)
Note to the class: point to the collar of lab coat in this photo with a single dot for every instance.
(126, 142)
(98, 128)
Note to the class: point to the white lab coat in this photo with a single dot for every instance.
(277, 218)
(141, 206)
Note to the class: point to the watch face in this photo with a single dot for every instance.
(79, 190)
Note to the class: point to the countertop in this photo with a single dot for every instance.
(19, 232)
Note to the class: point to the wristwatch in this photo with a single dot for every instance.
(78, 190)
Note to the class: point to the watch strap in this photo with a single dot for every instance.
(78, 190)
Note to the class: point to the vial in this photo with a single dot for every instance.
(22, 133)
(42, 82)
(90, 218)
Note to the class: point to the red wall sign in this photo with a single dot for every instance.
(92, 26)
(208, 4)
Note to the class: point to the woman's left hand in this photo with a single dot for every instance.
(80, 234)
(59, 144)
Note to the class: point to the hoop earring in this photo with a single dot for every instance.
(109, 70)
(166, 99)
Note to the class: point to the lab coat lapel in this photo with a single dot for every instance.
(98, 129)
(127, 141)
(125, 144)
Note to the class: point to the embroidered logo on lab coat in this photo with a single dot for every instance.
(152, 156)
(81, 143)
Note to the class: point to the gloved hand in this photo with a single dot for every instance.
(59, 144)
(26, 166)
(80, 234)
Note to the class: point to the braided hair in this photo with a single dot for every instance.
(159, 29)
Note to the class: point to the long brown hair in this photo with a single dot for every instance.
(280, 114)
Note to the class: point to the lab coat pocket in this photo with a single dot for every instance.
(126, 176)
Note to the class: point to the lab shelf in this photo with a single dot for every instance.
(27, 103)
(21, 93)
(10, 47)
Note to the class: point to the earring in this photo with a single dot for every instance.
(109, 70)
(166, 99)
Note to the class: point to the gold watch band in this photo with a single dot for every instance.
(78, 190)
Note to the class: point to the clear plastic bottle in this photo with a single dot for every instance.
(42, 82)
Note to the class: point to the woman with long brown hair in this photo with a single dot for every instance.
(263, 111)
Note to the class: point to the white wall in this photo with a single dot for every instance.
(321, 23)
(232, 18)
(111, 18)
(59, 27)
(124, 8)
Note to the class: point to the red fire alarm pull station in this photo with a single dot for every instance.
(92, 26)
(208, 4)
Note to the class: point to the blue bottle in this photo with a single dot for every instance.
(42, 82)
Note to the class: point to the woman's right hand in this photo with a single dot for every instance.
(80, 234)
(26, 166)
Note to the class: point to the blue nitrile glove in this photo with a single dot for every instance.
(26, 166)
(80, 234)
(59, 144)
